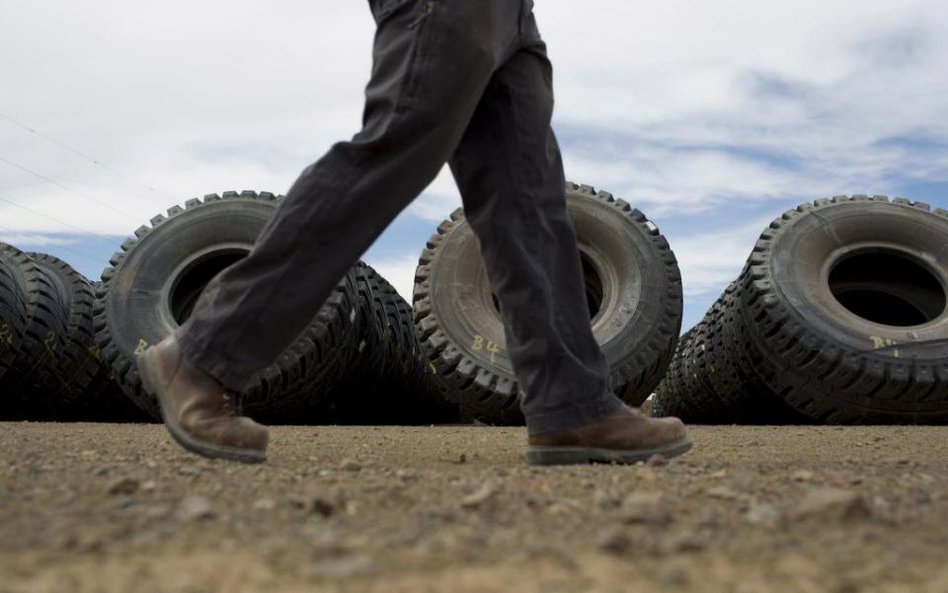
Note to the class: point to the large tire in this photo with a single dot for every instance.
(845, 304)
(12, 319)
(156, 279)
(78, 359)
(389, 381)
(32, 378)
(632, 282)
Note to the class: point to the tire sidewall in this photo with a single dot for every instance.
(804, 252)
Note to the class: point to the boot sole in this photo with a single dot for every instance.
(180, 436)
(586, 455)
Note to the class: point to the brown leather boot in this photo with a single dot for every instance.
(627, 436)
(199, 412)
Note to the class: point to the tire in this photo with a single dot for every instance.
(78, 361)
(12, 318)
(708, 380)
(154, 282)
(633, 285)
(845, 305)
(32, 379)
(389, 381)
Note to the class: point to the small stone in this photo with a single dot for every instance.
(149, 486)
(123, 486)
(189, 470)
(462, 458)
(264, 504)
(479, 496)
(321, 501)
(719, 473)
(722, 492)
(645, 507)
(688, 541)
(195, 507)
(763, 514)
(920, 496)
(614, 541)
(657, 460)
(832, 503)
(406, 475)
(350, 465)
(802, 475)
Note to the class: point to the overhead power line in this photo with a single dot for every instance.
(46, 216)
(69, 189)
(83, 155)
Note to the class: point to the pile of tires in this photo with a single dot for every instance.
(50, 367)
(633, 286)
(840, 316)
(360, 340)
(389, 380)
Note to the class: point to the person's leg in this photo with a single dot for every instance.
(509, 170)
(431, 62)
(510, 173)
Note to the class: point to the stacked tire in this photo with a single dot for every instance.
(389, 381)
(840, 316)
(49, 364)
(633, 287)
(357, 361)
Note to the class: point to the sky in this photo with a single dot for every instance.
(710, 117)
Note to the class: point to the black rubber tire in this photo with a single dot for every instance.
(845, 303)
(154, 281)
(635, 294)
(78, 360)
(32, 380)
(389, 382)
(12, 319)
(708, 381)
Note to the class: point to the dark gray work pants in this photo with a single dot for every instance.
(464, 81)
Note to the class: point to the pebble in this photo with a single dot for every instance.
(832, 503)
(321, 501)
(722, 492)
(195, 507)
(350, 465)
(123, 486)
(763, 514)
(479, 496)
(614, 540)
(646, 507)
(657, 460)
(264, 504)
(189, 470)
(802, 475)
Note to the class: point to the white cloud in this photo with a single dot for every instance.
(399, 271)
(680, 107)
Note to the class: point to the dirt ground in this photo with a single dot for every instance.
(91, 507)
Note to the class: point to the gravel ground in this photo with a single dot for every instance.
(93, 507)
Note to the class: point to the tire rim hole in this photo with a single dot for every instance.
(189, 285)
(888, 287)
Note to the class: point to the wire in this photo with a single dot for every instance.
(69, 189)
(47, 216)
(83, 155)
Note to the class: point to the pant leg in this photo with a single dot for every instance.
(510, 173)
(431, 62)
